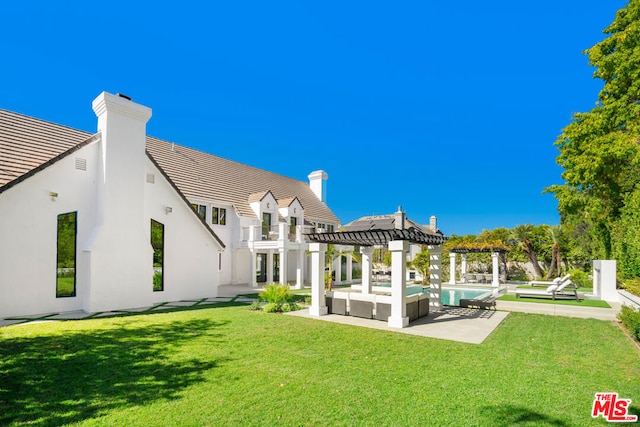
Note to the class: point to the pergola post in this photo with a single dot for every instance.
(367, 253)
(338, 268)
(398, 249)
(463, 268)
(435, 278)
(495, 269)
(318, 302)
(452, 268)
(350, 266)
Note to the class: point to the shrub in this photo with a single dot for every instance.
(278, 298)
(275, 293)
(256, 305)
(632, 285)
(630, 318)
(271, 307)
(580, 278)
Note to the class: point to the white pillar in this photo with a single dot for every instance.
(398, 318)
(350, 266)
(452, 268)
(254, 260)
(367, 253)
(495, 269)
(435, 278)
(463, 267)
(338, 269)
(318, 302)
(269, 266)
(283, 243)
(300, 268)
(604, 280)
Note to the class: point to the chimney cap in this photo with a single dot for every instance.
(122, 95)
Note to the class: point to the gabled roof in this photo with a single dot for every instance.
(27, 143)
(379, 231)
(200, 174)
(385, 222)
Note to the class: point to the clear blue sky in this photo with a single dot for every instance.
(446, 108)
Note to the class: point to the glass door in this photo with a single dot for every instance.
(261, 268)
(276, 268)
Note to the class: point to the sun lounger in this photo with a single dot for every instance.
(479, 303)
(556, 281)
(567, 290)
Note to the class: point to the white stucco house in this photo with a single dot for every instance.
(117, 219)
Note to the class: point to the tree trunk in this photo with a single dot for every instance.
(555, 250)
(531, 253)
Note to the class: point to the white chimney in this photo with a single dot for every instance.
(118, 251)
(433, 223)
(317, 182)
(399, 218)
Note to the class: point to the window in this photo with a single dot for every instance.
(157, 243)
(320, 227)
(218, 216)
(329, 228)
(266, 225)
(66, 255)
(293, 224)
(201, 210)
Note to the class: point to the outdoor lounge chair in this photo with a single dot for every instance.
(556, 281)
(567, 290)
(479, 303)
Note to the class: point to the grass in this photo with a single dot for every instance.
(231, 366)
(547, 300)
(580, 289)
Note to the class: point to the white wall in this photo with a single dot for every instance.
(191, 252)
(28, 235)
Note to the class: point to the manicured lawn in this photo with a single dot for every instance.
(231, 366)
(548, 300)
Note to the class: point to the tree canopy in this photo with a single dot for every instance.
(600, 149)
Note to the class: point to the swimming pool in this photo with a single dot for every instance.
(452, 296)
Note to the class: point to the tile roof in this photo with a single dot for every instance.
(27, 143)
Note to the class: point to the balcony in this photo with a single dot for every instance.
(271, 236)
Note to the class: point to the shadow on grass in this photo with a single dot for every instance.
(510, 415)
(66, 378)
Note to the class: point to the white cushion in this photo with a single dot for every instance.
(551, 288)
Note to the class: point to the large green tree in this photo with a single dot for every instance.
(599, 149)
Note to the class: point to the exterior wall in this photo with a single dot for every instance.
(191, 254)
(28, 230)
(28, 245)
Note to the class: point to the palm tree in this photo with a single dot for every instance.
(556, 258)
(521, 234)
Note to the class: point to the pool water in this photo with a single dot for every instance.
(452, 296)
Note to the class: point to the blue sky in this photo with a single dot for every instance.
(446, 108)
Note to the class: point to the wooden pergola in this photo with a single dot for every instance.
(494, 249)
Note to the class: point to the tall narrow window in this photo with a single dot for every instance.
(218, 216)
(293, 224)
(266, 225)
(66, 255)
(157, 243)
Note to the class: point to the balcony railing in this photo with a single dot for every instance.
(273, 233)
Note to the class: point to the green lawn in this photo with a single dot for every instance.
(548, 300)
(231, 366)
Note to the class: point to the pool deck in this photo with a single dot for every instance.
(453, 323)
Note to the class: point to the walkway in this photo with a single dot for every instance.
(453, 323)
